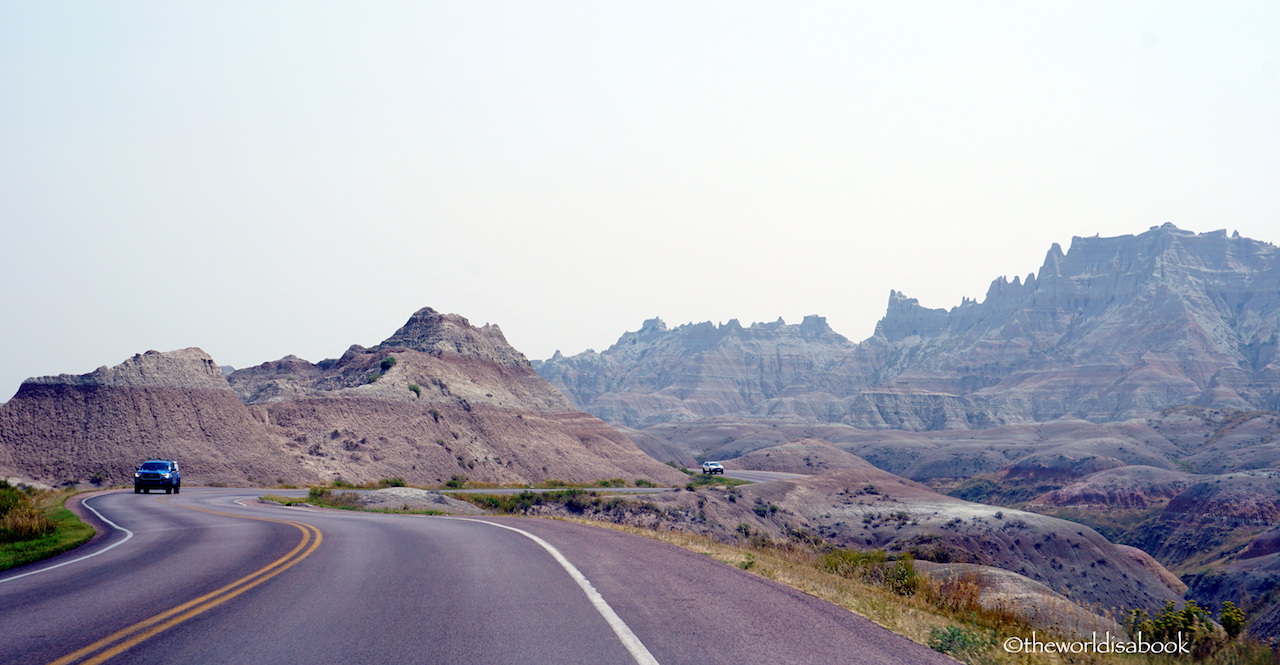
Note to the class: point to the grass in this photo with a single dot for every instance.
(340, 483)
(327, 498)
(574, 500)
(459, 481)
(603, 483)
(36, 525)
(709, 480)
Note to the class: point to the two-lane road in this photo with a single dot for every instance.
(266, 584)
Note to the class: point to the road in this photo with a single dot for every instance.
(212, 576)
(544, 490)
(762, 476)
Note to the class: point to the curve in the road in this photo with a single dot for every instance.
(122, 640)
(411, 589)
(634, 646)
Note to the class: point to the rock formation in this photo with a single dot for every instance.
(1123, 488)
(657, 375)
(96, 427)
(438, 398)
(870, 508)
(1112, 329)
(1211, 519)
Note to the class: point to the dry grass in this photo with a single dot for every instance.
(36, 525)
(20, 515)
(322, 496)
(939, 609)
(24, 522)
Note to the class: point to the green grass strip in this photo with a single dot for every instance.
(68, 533)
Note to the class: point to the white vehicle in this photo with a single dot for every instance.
(712, 467)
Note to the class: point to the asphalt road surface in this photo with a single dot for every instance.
(211, 576)
(762, 476)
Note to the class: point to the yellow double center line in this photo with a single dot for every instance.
(122, 640)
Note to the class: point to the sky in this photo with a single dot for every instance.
(263, 179)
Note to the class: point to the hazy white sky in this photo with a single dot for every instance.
(259, 179)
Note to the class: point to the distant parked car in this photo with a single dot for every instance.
(158, 474)
(712, 467)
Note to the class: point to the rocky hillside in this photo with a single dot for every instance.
(438, 398)
(867, 508)
(807, 456)
(873, 509)
(1123, 488)
(1215, 516)
(1111, 329)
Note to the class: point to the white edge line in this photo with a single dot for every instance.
(629, 640)
(85, 503)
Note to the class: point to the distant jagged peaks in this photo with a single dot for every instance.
(1113, 328)
(701, 335)
(650, 330)
(430, 331)
(905, 317)
(654, 325)
(814, 326)
(695, 370)
(1095, 273)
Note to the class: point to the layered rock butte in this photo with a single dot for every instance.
(439, 397)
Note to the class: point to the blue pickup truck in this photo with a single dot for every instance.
(158, 474)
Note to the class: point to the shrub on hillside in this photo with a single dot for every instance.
(1232, 619)
(1192, 623)
(963, 643)
(874, 567)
